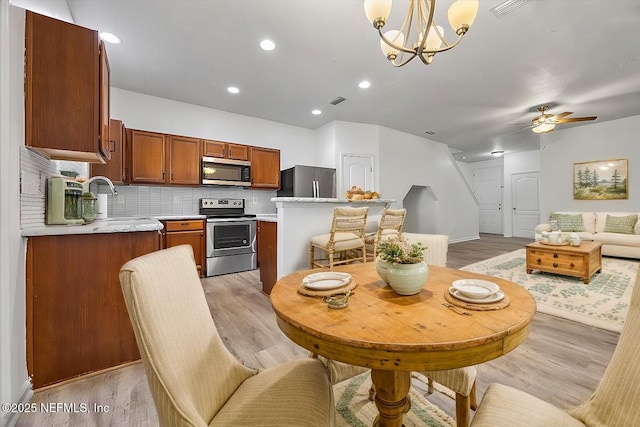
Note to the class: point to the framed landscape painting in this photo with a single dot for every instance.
(601, 180)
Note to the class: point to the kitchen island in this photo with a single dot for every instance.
(300, 218)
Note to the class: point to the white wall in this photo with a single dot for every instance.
(140, 111)
(560, 149)
(325, 147)
(411, 160)
(14, 383)
(528, 161)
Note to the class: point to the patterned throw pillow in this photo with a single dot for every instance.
(636, 229)
(620, 224)
(566, 222)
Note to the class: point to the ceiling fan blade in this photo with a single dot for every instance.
(576, 119)
(561, 115)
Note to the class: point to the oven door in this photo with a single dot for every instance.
(230, 237)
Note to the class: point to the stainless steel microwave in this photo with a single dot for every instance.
(216, 171)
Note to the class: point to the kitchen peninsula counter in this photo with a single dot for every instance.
(300, 218)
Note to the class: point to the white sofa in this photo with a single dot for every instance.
(616, 244)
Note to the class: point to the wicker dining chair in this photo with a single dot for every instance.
(345, 240)
(391, 222)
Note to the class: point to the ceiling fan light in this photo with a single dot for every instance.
(395, 37)
(544, 128)
(377, 11)
(462, 13)
(433, 37)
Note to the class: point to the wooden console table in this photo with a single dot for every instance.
(577, 261)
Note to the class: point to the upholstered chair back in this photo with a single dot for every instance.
(616, 400)
(190, 372)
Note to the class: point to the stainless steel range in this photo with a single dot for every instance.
(230, 236)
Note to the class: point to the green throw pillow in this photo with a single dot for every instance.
(566, 222)
(620, 224)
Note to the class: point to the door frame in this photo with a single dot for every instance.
(512, 177)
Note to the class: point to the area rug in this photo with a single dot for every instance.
(353, 407)
(602, 303)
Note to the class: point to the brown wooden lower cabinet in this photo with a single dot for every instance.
(77, 321)
(187, 232)
(267, 235)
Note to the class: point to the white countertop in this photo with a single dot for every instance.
(178, 217)
(267, 217)
(325, 200)
(108, 225)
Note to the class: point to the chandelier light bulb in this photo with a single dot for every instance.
(433, 37)
(395, 37)
(544, 128)
(377, 11)
(462, 13)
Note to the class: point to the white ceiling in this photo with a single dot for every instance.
(575, 55)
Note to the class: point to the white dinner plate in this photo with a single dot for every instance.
(475, 288)
(326, 281)
(498, 296)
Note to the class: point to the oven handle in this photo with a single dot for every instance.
(315, 189)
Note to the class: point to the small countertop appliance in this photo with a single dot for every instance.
(64, 201)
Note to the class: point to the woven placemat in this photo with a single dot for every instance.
(317, 293)
(498, 305)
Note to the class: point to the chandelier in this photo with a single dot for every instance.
(419, 35)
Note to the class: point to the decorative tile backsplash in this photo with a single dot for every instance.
(132, 200)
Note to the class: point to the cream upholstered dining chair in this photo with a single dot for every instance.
(194, 379)
(390, 225)
(346, 239)
(614, 403)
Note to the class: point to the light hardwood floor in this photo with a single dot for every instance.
(561, 361)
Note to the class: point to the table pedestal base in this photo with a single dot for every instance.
(392, 388)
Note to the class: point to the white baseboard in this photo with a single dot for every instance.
(10, 419)
(465, 239)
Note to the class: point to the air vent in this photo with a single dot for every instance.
(337, 100)
(430, 132)
(506, 7)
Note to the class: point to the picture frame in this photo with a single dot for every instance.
(601, 180)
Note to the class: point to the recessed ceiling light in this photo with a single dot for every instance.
(364, 84)
(232, 89)
(267, 44)
(109, 38)
(316, 112)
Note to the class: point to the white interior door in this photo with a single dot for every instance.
(525, 188)
(357, 169)
(487, 186)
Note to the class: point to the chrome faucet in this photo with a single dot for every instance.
(85, 185)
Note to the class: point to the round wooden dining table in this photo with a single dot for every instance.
(395, 335)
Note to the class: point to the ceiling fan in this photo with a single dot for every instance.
(547, 122)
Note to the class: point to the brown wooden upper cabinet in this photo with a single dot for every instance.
(66, 91)
(157, 158)
(114, 169)
(184, 160)
(226, 150)
(146, 156)
(265, 168)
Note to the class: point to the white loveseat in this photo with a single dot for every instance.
(609, 228)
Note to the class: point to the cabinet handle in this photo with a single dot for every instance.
(184, 224)
(229, 152)
(539, 261)
(572, 265)
(555, 265)
(555, 255)
(113, 150)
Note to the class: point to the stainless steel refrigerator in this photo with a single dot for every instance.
(307, 181)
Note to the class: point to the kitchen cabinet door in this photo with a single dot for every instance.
(184, 160)
(267, 240)
(77, 321)
(265, 168)
(146, 156)
(187, 232)
(114, 169)
(225, 150)
(66, 91)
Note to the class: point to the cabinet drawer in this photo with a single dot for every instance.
(186, 225)
(557, 261)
